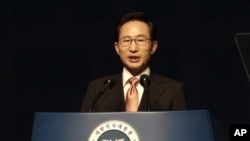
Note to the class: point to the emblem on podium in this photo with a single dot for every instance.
(114, 130)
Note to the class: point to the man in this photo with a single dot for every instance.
(135, 43)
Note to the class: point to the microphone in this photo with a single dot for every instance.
(145, 82)
(108, 84)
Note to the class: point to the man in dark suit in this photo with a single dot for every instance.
(135, 43)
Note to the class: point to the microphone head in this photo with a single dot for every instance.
(110, 82)
(144, 80)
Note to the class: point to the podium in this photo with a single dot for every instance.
(192, 125)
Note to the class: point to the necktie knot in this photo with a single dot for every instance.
(133, 81)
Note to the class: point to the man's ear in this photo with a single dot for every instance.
(116, 47)
(154, 47)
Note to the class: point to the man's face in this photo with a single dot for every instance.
(135, 57)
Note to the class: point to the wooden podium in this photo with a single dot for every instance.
(192, 125)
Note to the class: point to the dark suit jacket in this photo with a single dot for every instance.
(164, 95)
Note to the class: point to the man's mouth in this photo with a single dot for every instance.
(133, 58)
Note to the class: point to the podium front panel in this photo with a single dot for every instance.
(193, 125)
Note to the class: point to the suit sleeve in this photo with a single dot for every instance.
(180, 99)
(88, 98)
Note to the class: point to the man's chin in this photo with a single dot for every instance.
(135, 69)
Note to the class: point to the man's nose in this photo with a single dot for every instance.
(133, 46)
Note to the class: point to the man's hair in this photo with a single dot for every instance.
(135, 16)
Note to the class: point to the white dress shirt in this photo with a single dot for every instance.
(125, 77)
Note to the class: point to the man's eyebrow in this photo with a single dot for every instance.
(125, 37)
(140, 35)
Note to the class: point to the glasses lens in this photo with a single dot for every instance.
(141, 40)
(125, 41)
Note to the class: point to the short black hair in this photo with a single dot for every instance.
(135, 16)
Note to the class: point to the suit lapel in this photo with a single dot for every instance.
(117, 94)
(155, 91)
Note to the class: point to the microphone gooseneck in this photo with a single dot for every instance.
(145, 82)
(108, 84)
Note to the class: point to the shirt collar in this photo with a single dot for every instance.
(126, 75)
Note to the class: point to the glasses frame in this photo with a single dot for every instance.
(135, 40)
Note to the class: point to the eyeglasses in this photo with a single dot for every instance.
(139, 40)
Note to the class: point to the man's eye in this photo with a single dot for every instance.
(140, 40)
(126, 40)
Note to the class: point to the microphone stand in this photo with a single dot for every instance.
(146, 92)
(107, 85)
(144, 80)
